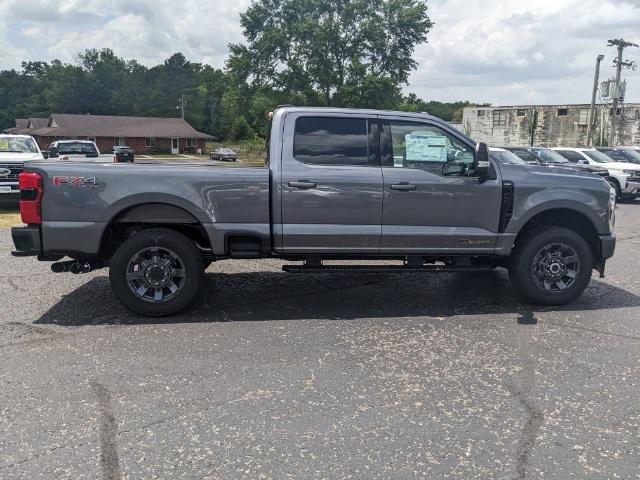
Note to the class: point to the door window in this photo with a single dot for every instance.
(425, 147)
(331, 141)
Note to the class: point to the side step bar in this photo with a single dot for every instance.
(383, 268)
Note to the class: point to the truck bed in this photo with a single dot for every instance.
(93, 194)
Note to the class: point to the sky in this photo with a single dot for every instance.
(505, 52)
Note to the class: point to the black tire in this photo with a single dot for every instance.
(152, 261)
(550, 265)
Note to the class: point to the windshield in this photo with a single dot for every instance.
(549, 156)
(631, 156)
(18, 145)
(77, 147)
(597, 156)
(506, 157)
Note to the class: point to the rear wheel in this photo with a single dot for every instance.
(551, 265)
(156, 272)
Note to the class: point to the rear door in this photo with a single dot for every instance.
(433, 201)
(331, 184)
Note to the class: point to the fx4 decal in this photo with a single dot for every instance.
(74, 181)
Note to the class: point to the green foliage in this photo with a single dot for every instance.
(355, 53)
(240, 129)
(334, 50)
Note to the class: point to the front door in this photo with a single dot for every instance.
(175, 145)
(433, 202)
(330, 184)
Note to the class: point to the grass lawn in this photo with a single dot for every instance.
(9, 218)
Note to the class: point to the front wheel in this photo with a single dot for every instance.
(551, 265)
(156, 272)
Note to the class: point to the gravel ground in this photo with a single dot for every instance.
(276, 375)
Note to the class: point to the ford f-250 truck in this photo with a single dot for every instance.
(338, 184)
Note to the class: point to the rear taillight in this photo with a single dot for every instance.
(30, 197)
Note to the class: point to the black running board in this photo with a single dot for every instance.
(383, 268)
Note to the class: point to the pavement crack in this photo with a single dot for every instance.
(530, 429)
(108, 432)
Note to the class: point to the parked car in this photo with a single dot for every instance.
(14, 151)
(550, 158)
(621, 154)
(123, 154)
(625, 177)
(76, 150)
(422, 194)
(223, 154)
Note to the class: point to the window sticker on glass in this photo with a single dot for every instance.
(425, 147)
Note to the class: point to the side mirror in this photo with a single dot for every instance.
(53, 152)
(481, 164)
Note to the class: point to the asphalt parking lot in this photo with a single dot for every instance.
(276, 375)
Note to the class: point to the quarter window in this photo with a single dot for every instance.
(331, 141)
(425, 147)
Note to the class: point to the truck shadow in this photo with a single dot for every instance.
(264, 296)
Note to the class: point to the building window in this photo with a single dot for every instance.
(119, 141)
(583, 117)
(618, 111)
(563, 112)
(482, 113)
(92, 139)
(521, 112)
(151, 142)
(499, 118)
(192, 142)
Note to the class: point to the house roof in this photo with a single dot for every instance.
(74, 125)
(24, 126)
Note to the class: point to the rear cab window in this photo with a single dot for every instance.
(332, 141)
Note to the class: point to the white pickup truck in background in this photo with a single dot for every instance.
(77, 150)
(14, 151)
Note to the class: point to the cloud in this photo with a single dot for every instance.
(510, 52)
(500, 51)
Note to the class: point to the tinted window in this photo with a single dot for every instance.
(525, 155)
(331, 141)
(570, 155)
(507, 157)
(550, 156)
(427, 147)
(77, 147)
(614, 154)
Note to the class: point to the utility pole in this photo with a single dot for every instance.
(181, 103)
(621, 44)
(592, 111)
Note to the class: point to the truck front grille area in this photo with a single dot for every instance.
(15, 169)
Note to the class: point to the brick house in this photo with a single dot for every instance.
(143, 134)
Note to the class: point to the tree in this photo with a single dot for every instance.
(240, 129)
(330, 48)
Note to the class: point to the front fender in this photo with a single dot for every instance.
(581, 201)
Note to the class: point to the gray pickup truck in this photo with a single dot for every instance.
(338, 185)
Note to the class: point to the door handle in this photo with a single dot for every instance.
(403, 187)
(303, 184)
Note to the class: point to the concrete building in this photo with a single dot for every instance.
(550, 125)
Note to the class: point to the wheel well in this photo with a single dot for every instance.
(152, 215)
(566, 218)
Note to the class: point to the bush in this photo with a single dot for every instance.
(241, 130)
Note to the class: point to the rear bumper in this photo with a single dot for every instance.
(26, 241)
(607, 246)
